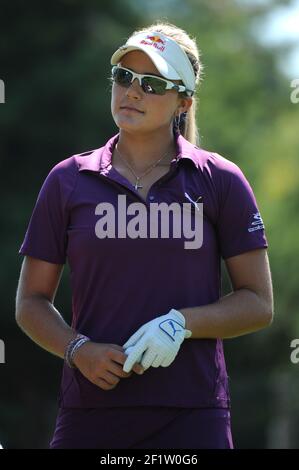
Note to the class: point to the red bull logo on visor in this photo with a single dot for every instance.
(154, 41)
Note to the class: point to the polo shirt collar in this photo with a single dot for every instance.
(99, 160)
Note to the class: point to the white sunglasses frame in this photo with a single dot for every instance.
(169, 85)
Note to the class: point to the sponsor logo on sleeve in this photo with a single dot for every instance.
(257, 223)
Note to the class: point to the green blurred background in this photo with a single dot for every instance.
(54, 60)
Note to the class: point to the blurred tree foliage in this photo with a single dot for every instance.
(54, 60)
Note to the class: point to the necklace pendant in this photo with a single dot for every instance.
(137, 186)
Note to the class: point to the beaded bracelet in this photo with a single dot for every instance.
(72, 347)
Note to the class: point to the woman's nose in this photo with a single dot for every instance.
(134, 90)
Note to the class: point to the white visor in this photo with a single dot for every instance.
(169, 58)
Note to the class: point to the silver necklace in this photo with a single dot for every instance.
(138, 178)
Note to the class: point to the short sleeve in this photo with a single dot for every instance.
(46, 235)
(240, 226)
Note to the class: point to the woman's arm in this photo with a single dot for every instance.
(35, 312)
(40, 320)
(248, 308)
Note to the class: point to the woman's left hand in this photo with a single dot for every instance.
(157, 342)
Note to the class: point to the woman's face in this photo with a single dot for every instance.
(154, 112)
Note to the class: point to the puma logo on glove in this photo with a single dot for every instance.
(164, 325)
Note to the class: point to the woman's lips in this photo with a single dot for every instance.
(127, 108)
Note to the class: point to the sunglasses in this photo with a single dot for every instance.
(149, 83)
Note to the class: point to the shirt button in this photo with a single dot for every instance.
(151, 198)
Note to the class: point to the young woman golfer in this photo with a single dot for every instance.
(144, 298)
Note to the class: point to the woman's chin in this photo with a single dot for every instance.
(130, 126)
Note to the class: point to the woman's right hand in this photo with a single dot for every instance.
(102, 364)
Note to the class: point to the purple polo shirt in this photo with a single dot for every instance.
(120, 283)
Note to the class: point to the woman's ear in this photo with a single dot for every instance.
(185, 104)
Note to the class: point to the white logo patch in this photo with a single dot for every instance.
(257, 223)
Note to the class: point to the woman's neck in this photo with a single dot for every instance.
(141, 151)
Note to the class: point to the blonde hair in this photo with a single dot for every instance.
(188, 127)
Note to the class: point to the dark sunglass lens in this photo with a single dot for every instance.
(154, 85)
(122, 77)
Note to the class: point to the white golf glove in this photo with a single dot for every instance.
(157, 342)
